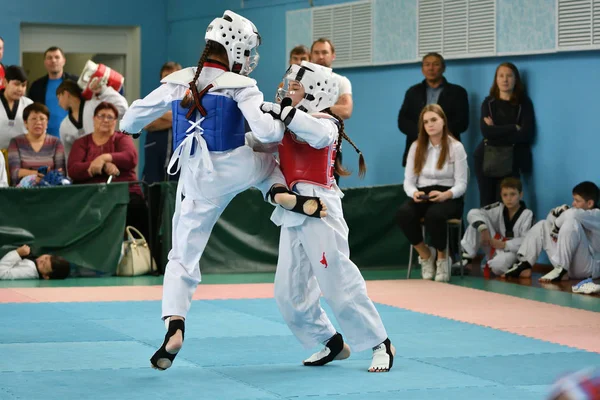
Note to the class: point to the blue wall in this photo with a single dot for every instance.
(148, 14)
(561, 85)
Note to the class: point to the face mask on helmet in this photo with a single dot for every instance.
(311, 87)
(293, 89)
(251, 62)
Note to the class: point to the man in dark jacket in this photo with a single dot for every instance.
(43, 90)
(434, 89)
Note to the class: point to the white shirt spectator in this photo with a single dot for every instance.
(344, 85)
(14, 126)
(453, 174)
(69, 131)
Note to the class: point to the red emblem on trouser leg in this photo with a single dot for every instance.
(324, 260)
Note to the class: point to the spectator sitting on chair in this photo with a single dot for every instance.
(105, 153)
(80, 120)
(570, 237)
(498, 228)
(20, 264)
(27, 153)
(435, 180)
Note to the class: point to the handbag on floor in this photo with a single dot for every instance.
(136, 258)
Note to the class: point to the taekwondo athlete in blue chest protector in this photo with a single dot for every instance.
(209, 105)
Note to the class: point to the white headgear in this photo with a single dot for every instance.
(320, 86)
(239, 37)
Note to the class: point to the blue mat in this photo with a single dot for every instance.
(241, 349)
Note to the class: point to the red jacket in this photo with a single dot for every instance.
(124, 155)
(2, 75)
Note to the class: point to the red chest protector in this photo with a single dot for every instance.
(302, 163)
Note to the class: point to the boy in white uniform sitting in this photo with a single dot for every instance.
(498, 228)
(569, 235)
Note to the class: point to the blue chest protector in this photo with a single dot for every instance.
(223, 124)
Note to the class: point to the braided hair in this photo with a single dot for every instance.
(211, 48)
(339, 168)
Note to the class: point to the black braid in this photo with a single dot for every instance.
(208, 49)
(362, 167)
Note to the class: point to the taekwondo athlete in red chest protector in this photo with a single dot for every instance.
(314, 255)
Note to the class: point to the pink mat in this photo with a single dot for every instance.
(130, 293)
(549, 322)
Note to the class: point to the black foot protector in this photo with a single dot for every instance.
(162, 359)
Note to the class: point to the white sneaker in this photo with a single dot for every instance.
(442, 273)
(428, 266)
(466, 260)
(586, 287)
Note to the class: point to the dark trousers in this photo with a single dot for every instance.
(435, 216)
(156, 157)
(137, 214)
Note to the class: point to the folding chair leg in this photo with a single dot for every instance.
(410, 256)
(460, 257)
(448, 250)
(409, 261)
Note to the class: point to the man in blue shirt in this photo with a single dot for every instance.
(43, 90)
